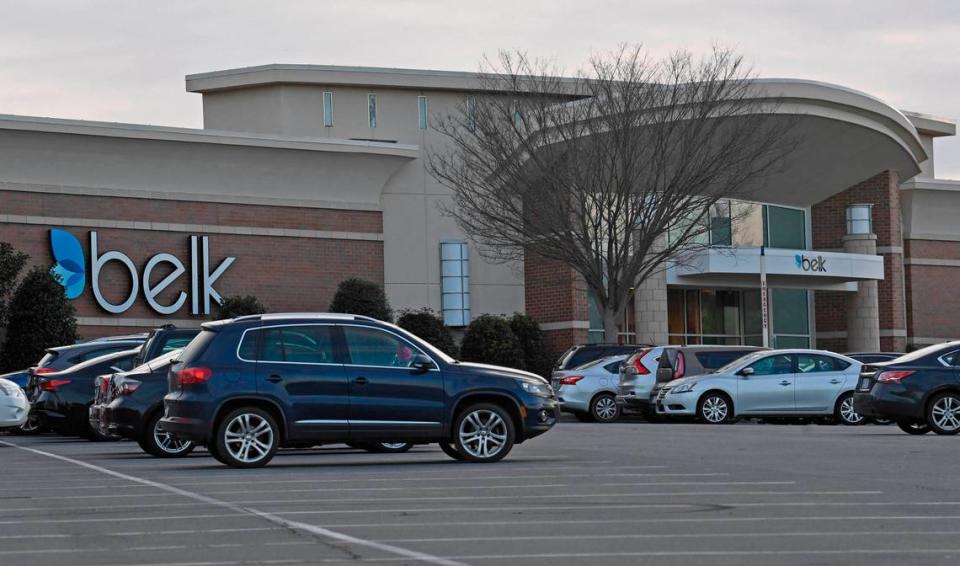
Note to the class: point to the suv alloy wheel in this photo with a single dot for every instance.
(483, 433)
(162, 444)
(246, 438)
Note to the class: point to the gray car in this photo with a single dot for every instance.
(778, 383)
(589, 391)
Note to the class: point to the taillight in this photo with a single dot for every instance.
(104, 384)
(193, 376)
(41, 371)
(128, 386)
(638, 365)
(571, 380)
(52, 384)
(681, 366)
(892, 376)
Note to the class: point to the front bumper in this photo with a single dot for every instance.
(677, 404)
(540, 417)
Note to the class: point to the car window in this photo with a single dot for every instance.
(310, 344)
(96, 353)
(583, 356)
(952, 359)
(812, 363)
(773, 365)
(374, 347)
(175, 343)
(613, 367)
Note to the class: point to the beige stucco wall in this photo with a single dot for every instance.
(412, 201)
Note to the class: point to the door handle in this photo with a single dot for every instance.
(360, 380)
(834, 381)
(785, 382)
(275, 378)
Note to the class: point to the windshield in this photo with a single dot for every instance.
(745, 360)
(601, 361)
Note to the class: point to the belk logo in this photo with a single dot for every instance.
(71, 268)
(818, 264)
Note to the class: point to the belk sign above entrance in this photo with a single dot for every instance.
(71, 266)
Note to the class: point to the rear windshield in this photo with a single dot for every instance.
(924, 352)
(196, 346)
(47, 359)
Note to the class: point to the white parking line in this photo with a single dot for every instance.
(106, 508)
(143, 533)
(317, 531)
(661, 536)
(710, 553)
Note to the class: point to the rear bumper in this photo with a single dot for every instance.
(887, 402)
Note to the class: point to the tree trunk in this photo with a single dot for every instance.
(610, 330)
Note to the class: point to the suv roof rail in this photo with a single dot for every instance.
(281, 315)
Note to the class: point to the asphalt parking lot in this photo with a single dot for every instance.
(622, 493)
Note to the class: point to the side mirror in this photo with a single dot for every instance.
(422, 363)
(745, 372)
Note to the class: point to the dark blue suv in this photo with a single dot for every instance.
(248, 386)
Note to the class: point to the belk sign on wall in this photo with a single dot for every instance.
(71, 267)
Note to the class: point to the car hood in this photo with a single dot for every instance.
(504, 371)
(694, 379)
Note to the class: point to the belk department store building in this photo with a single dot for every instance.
(305, 175)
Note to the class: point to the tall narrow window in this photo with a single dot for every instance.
(372, 109)
(471, 113)
(328, 109)
(455, 282)
(422, 111)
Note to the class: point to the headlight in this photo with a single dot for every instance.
(539, 389)
(683, 388)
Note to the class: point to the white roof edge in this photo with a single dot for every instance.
(194, 135)
(920, 183)
(932, 125)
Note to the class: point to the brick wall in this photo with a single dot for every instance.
(285, 273)
(931, 290)
(553, 292)
(829, 221)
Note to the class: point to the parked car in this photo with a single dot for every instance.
(580, 354)
(14, 406)
(873, 357)
(778, 383)
(247, 386)
(643, 373)
(920, 390)
(63, 398)
(63, 357)
(160, 342)
(589, 391)
(19, 378)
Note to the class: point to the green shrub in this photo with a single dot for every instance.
(11, 264)
(490, 340)
(536, 357)
(239, 305)
(358, 296)
(40, 317)
(427, 325)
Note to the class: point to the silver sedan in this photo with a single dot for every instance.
(779, 383)
(590, 391)
(14, 407)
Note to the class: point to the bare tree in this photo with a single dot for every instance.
(612, 171)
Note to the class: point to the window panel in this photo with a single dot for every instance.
(785, 228)
(328, 109)
(773, 365)
(422, 111)
(372, 110)
(455, 283)
(374, 347)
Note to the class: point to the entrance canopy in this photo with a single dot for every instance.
(801, 269)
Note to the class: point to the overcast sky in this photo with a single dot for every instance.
(125, 61)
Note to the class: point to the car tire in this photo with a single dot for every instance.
(31, 427)
(162, 445)
(477, 427)
(943, 413)
(882, 421)
(387, 447)
(914, 427)
(450, 450)
(845, 413)
(247, 437)
(604, 408)
(715, 408)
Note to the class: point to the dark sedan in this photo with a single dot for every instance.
(62, 399)
(920, 390)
